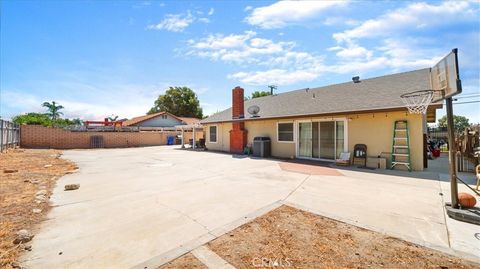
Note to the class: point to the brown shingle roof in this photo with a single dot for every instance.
(379, 93)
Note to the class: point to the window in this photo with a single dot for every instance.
(213, 134)
(285, 132)
(164, 117)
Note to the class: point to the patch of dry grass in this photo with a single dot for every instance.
(18, 190)
(290, 238)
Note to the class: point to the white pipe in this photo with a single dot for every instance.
(193, 144)
(183, 142)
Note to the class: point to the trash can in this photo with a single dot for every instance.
(261, 146)
(170, 139)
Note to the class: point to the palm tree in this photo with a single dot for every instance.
(53, 109)
(113, 118)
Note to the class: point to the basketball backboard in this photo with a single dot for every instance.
(445, 78)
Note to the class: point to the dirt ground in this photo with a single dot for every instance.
(36, 175)
(291, 238)
(187, 261)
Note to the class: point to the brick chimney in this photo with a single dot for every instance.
(238, 134)
(237, 103)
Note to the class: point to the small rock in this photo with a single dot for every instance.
(42, 198)
(15, 265)
(47, 165)
(71, 187)
(34, 181)
(60, 253)
(41, 192)
(37, 210)
(23, 236)
(8, 171)
(29, 248)
(71, 171)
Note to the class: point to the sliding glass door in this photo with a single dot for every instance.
(305, 139)
(321, 139)
(327, 140)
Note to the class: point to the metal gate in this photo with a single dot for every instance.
(9, 135)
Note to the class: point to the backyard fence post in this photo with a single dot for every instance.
(7, 140)
(1, 135)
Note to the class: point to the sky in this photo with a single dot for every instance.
(103, 58)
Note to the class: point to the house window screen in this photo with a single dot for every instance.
(213, 133)
(285, 132)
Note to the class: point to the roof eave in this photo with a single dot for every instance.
(380, 110)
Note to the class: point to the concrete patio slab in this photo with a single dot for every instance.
(144, 206)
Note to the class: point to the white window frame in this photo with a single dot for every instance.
(293, 134)
(216, 134)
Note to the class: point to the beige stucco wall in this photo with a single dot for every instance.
(269, 128)
(374, 130)
(377, 133)
(223, 137)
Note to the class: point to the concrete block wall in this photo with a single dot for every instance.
(36, 136)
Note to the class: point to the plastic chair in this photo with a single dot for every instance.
(344, 159)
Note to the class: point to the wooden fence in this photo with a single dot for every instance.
(9, 135)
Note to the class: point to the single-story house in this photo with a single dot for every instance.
(160, 119)
(321, 123)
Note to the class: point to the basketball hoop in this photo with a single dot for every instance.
(417, 102)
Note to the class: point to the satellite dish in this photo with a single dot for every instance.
(253, 110)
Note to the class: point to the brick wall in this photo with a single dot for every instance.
(35, 136)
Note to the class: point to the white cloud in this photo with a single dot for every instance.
(407, 53)
(173, 22)
(248, 8)
(204, 20)
(111, 102)
(179, 22)
(282, 13)
(276, 76)
(237, 48)
(413, 16)
(352, 52)
(340, 21)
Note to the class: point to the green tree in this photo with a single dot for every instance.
(180, 101)
(460, 122)
(53, 109)
(33, 119)
(76, 121)
(257, 94)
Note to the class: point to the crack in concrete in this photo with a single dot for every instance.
(296, 188)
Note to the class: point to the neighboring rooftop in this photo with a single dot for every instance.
(379, 93)
(136, 120)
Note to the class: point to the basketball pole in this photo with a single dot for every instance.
(452, 152)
